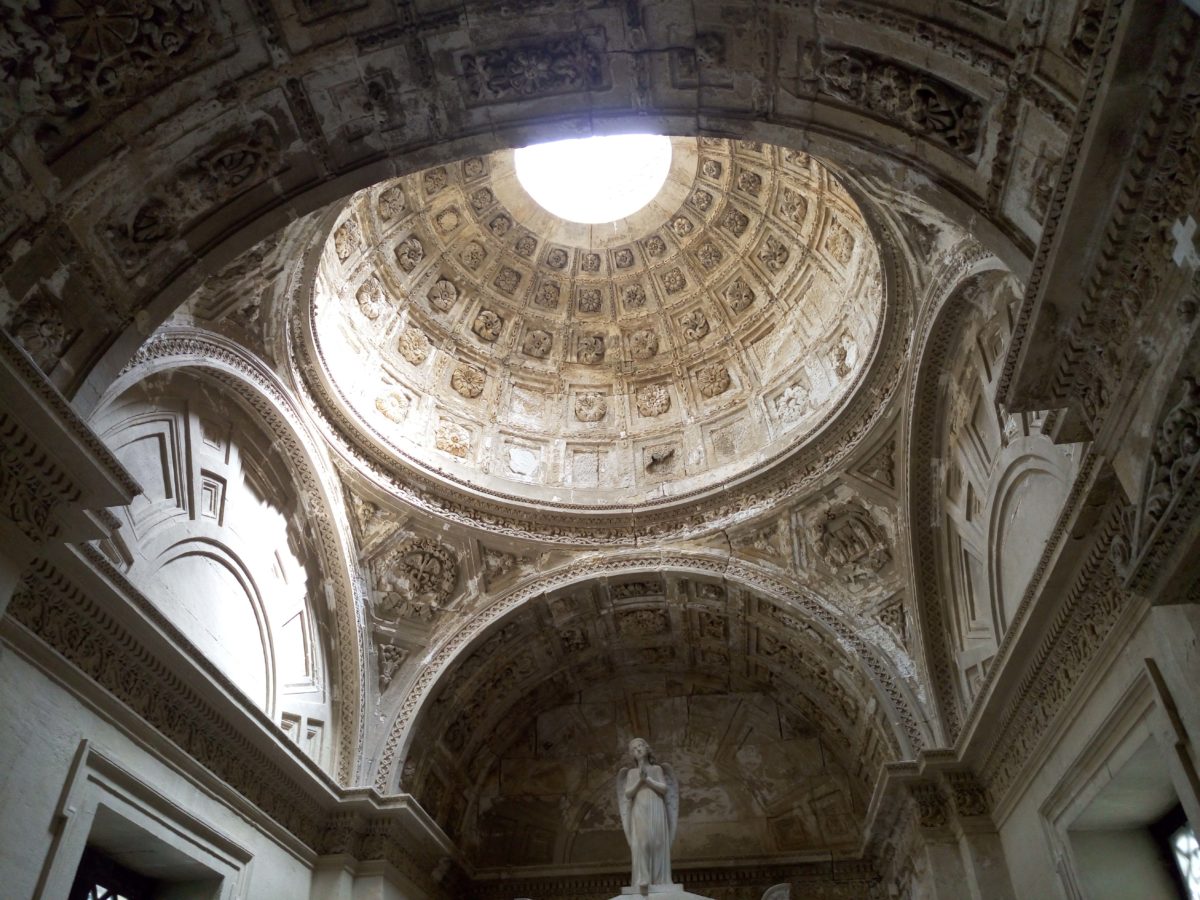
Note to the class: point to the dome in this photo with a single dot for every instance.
(469, 332)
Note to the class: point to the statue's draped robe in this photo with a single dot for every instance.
(649, 831)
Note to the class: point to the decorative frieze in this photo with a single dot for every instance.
(559, 64)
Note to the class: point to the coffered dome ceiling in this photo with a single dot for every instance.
(465, 330)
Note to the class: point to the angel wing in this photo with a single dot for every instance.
(672, 800)
(623, 802)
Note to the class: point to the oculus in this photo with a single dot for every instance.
(595, 180)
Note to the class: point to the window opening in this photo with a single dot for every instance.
(102, 878)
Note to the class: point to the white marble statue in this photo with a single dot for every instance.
(648, 797)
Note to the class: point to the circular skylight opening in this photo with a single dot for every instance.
(597, 179)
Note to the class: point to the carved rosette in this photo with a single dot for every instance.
(713, 380)
(468, 380)
(590, 406)
(442, 295)
(537, 343)
(414, 345)
(643, 344)
(488, 326)
(653, 400)
(453, 439)
(394, 405)
(590, 349)
(409, 253)
(370, 299)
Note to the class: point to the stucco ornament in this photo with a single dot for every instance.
(648, 797)
(421, 577)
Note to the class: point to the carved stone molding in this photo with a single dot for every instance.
(967, 795)
(932, 808)
(807, 607)
(1169, 504)
(78, 627)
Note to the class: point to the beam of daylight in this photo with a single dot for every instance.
(597, 179)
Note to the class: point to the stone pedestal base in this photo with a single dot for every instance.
(659, 892)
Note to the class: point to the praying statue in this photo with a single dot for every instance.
(648, 797)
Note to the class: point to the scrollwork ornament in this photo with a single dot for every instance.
(419, 578)
(695, 325)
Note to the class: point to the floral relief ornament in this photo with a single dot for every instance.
(453, 439)
(409, 253)
(391, 204)
(713, 380)
(370, 299)
(674, 281)
(740, 296)
(442, 295)
(643, 344)
(393, 405)
(468, 381)
(590, 349)
(414, 345)
(488, 326)
(653, 400)
(590, 406)
(537, 343)
(773, 253)
(420, 578)
(345, 239)
(634, 296)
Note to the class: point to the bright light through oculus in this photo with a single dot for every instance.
(597, 179)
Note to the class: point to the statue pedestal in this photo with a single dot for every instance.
(659, 892)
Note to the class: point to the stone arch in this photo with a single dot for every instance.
(937, 335)
(242, 636)
(234, 373)
(207, 180)
(970, 573)
(908, 731)
(1028, 476)
(841, 150)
